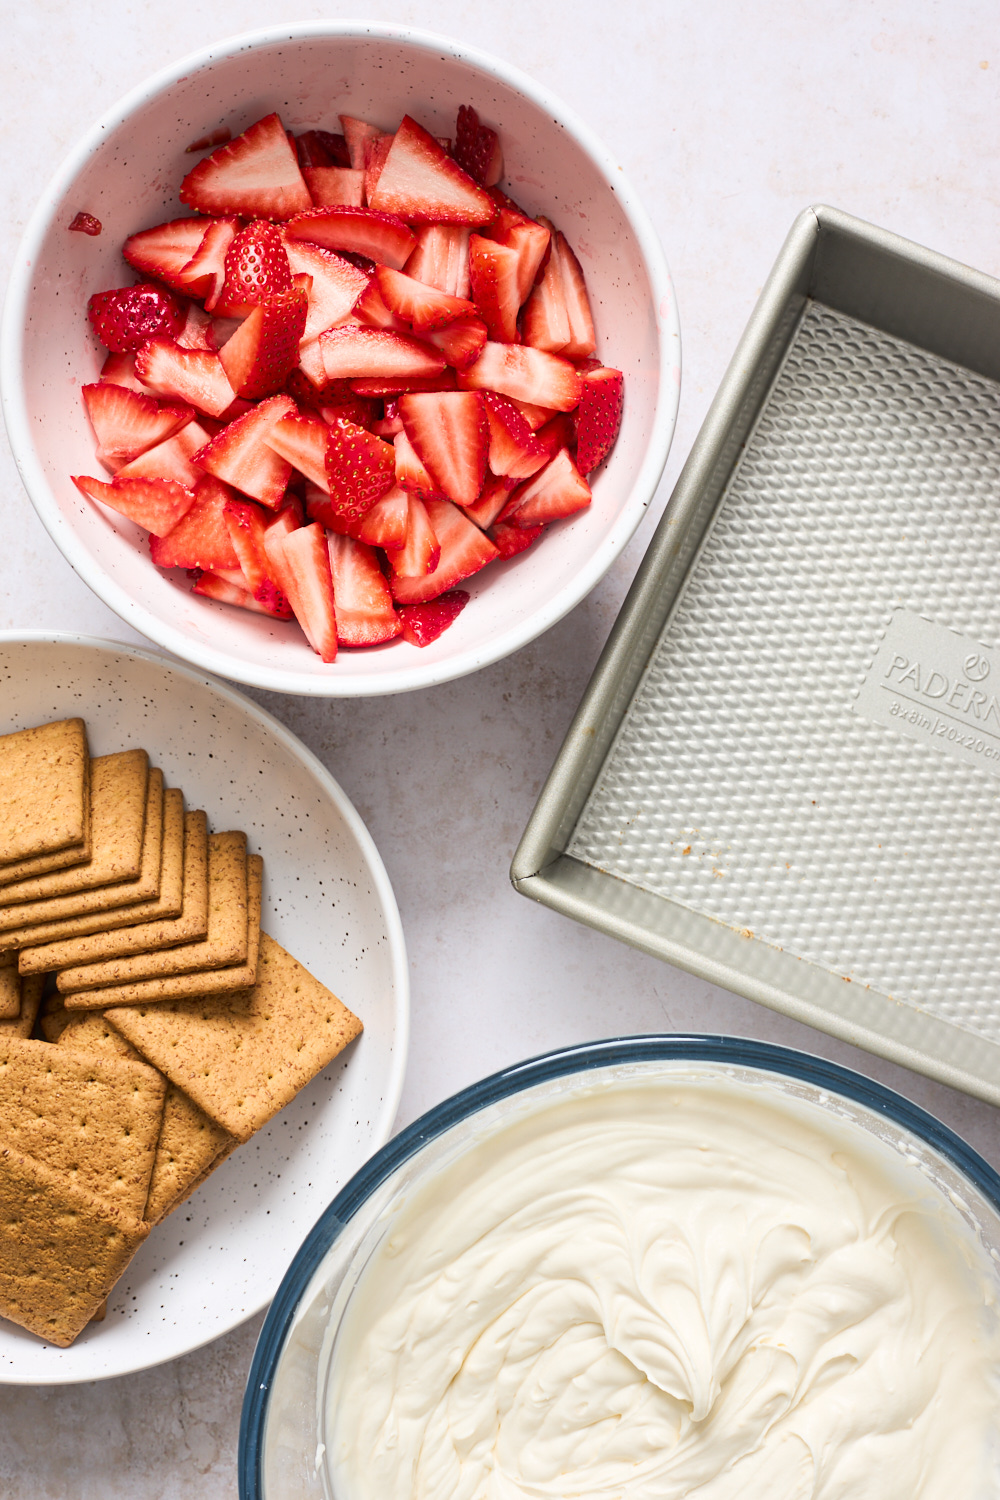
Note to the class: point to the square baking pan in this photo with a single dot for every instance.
(785, 773)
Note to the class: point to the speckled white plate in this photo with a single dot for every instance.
(327, 898)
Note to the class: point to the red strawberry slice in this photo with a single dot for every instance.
(213, 138)
(119, 369)
(396, 386)
(423, 306)
(301, 563)
(381, 237)
(372, 353)
(510, 540)
(264, 350)
(514, 449)
(356, 409)
(289, 516)
(221, 590)
(127, 423)
(357, 134)
(559, 432)
(421, 183)
(477, 148)
(535, 416)
(525, 374)
(460, 342)
(441, 258)
(385, 524)
(247, 524)
(128, 315)
(256, 175)
(423, 623)
(557, 316)
(205, 272)
(166, 249)
(201, 537)
(321, 148)
(199, 329)
(333, 186)
(410, 472)
(450, 435)
(421, 551)
(84, 223)
(495, 493)
(365, 616)
(599, 416)
(559, 490)
(156, 504)
(240, 456)
(171, 459)
(464, 550)
(193, 375)
(359, 468)
(303, 442)
(526, 237)
(376, 152)
(371, 311)
(493, 271)
(256, 267)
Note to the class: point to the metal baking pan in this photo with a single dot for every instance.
(785, 773)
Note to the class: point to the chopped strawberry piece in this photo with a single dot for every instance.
(375, 354)
(398, 385)
(199, 329)
(558, 490)
(192, 375)
(119, 369)
(359, 468)
(421, 551)
(410, 472)
(371, 311)
(166, 249)
(240, 456)
(213, 138)
(460, 342)
(247, 524)
(125, 317)
(559, 432)
(525, 374)
(477, 148)
(171, 459)
(493, 271)
(289, 516)
(423, 306)
(201, 537)
(423, 623)
(441, 258)
(357, 134)
(376, 152)
(256, 267)
(365, 616)
(557, 316)
(381, 237)
(256, 175)
(301, 564)
(510, 540)
(535, 416)
(385, 524)
(303, 442)
(356, 409)
(264, 350)
(221, 590)
(320, 148)
(514, 449)
(333, 186)
(205, 273)
(127, 423)
(528, 239)
(156, 504)
(84, 223)
(450, 435)
(464, 550)
(421, 183)
(599, 416)
(319, 507)
(495, 493)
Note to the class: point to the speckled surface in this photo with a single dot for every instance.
(728, 120)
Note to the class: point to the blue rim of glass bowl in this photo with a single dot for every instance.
(723, 1050)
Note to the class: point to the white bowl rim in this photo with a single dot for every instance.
(420, 674)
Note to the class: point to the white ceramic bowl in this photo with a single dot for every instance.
(219, 1258)
(127, 171)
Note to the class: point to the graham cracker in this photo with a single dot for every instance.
(118, 796)
(88, 1031)
(10, 994)
(190, 1146)
(41, 864)
(62, 1247)
(224, 945)
(43, 779)
(245, 1058)
(96, 1119)
(169, 903)
(31, 998)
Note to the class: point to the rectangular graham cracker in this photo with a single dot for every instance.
(169, 903)
(179, 986)
(23, 1024)
(10, 994)
(95, 1118)
(62, 1248)
(243, 1059)
(43, 801)
(62, 859)
(224, 945)
(118, 796)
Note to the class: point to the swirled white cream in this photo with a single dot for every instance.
(680, 1290)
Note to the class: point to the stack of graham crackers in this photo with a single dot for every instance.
(148, 1026)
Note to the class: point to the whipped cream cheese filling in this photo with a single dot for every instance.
(671, 1289)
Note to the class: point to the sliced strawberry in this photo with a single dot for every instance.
(125, 317)
(535, 416)
(84, 223)
(477, 148)
(241, 457)
(558, 490)
(213, 138)
(201, 538)
(599, 416)
(301, 563)
(557, 316)
(221, 590)
(450, 435)
(381, 237)
(319, 507)
(421, 551)
(247, 524)
(357, 134)
(371, 311)
(559, 432)
(423, 623)
(199, 329)
(303, 442)
(171, 459)
(356, 409)
(156, 504)
(256, 175)
(526, 237)
(441, 258)
(256, 268)
(205, 272)
(311, 368)
(365, 616)
(464, 550)
(493, 271)
(119, 369)
(525, 374)
(460, 342)
(193, 375)
(493, 497)
(376, 354)
(410, 472)
(514, 449)
(385, 524)
(166, 249)
(321, 148)
(376, 152)
(510, 540)
(264, 350)
(359, 468)
(421, 183)
(423, 306)
(127, 423)
(289, 516)
(396, 386)
(330, 186)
